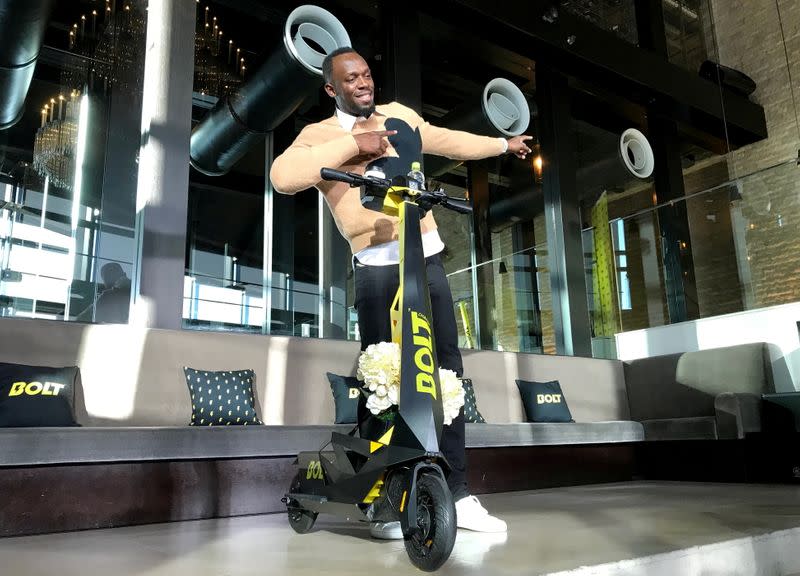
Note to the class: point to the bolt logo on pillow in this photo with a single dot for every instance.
(33, 396)
(544, 401)
(34, 388)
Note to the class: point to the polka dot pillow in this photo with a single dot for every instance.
(471, 413)
(221, 398)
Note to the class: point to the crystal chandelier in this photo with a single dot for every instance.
(108, 45)
(56, 140)
(219, 66)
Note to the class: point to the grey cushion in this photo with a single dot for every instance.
(697, 428)
(738, 414)
(41, 446)
(34, 446)
(547, 434)
(686, 385)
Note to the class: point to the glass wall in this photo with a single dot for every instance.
(495, 259)
(617, 16)
(720, 239)
(720, 234)
(256, 260)
(224, 282)
(689, 33)
(68, 169)
(293, 274)
(502, 303)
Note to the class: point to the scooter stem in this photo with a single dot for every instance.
(412, 328)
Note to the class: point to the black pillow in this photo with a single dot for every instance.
(544, 401)
(221, 398)
(471, 413)
(37, 395)
(346, 390)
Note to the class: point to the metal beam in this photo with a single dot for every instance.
(673, 222)
(650, 26)
(482, 276)
(402, 80)
(579, 49)
(562, 214)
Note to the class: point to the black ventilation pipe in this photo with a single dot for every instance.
(22, 26)
(503, 111)
(276, 89)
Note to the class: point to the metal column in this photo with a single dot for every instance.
(562, 213)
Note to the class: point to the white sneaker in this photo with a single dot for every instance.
(472, 516)
(386, 530)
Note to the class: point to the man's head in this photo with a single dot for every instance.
(112, 273)
(348, 80)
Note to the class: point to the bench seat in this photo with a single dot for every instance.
(49, 446)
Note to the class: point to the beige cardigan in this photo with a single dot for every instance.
(327, 145)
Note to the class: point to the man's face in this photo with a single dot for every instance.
(351, 85)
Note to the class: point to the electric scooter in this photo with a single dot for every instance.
(401, 474)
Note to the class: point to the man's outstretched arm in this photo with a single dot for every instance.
(459, 145)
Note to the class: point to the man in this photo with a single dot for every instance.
(112, 303)
(349, 141)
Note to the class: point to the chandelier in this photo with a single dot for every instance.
(219, 66)
(56, 140)
(109, 46)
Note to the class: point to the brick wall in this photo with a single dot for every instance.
(749, 39)
(745, 238)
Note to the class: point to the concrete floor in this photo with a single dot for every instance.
(631, 529)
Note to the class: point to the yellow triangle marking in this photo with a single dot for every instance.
(374, 446)
(386, 438)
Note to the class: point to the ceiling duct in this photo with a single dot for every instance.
(22, 27)
(292, 72)
(503, 111)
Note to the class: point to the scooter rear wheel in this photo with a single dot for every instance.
(300, 519)
(430, 546)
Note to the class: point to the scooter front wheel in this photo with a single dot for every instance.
(430, 546)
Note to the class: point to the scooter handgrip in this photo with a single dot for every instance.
(460, 205)
(331, 174)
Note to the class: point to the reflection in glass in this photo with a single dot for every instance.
(689, 33)
(617, 16)
(68, 169)
(743, 238)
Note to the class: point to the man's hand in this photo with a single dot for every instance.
(517, 146)
(373, 144)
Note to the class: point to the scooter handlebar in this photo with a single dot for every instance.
(353, 179)
(347, 177)
(460, 205)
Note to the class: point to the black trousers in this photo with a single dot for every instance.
(375, 288)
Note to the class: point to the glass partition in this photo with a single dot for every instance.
(742, 238)
(68, 169)
(617, 16)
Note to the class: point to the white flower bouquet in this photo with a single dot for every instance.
(379, 369)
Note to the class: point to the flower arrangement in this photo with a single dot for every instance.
(379, 369)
